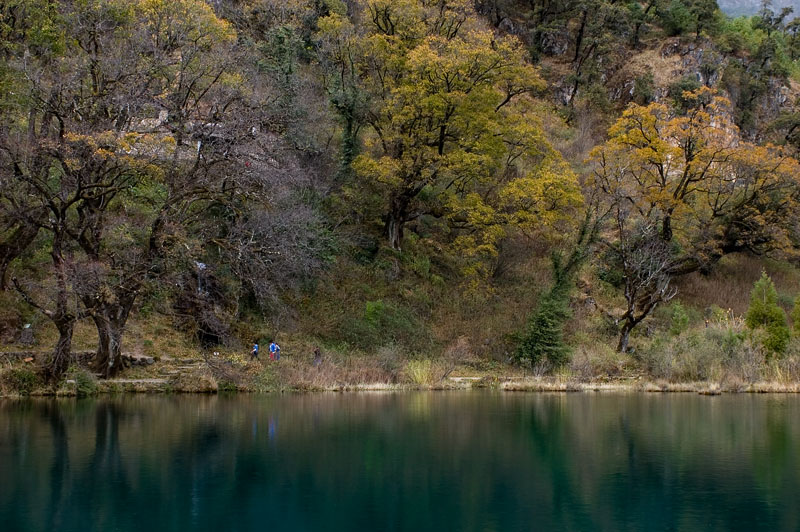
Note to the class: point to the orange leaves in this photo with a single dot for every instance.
(695, 174)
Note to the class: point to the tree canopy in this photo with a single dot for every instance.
(690, 175)
(452, 130)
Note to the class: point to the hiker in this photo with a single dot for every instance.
(317, 357)
(274, 351)
(254, 352)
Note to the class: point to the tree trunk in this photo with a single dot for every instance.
(579, 39)
(624, 336)
(59, 361)
(349, 148)
(666, 228)
(110, 323)
(13, 248)
(63, 319)
(395, 220)
(394, 230)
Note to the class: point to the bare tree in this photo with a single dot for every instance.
(645, 260)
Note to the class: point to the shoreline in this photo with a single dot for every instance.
(516, 385)
(236, 374)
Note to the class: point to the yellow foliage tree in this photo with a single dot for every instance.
(453, 131)
(692, 176)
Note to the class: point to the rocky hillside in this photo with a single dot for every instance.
(737, 8)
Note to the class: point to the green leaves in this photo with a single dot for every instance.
(765, 315)
(453, 130)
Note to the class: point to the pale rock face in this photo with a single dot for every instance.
(736, 8)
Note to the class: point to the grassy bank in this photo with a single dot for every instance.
(230, 374)
(413, 333)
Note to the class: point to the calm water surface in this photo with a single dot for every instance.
(408, 461)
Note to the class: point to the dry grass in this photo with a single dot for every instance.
(659, 386)
(420, 372)
(200, 381)
(598, 361)
(486, 320)
(729, 285)
(665, 70)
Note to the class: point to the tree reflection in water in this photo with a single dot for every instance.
(414, 461)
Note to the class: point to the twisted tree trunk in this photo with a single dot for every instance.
(110, 320)
(13, 248)
(396, 220)
(58, 364)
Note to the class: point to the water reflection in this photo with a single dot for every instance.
(426, 461)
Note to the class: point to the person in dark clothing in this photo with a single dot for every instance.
(317, 357)
(254, 351)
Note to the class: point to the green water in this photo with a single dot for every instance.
(407, 461)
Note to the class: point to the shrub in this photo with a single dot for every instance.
(544, 339)
(644, 89)
(788, 367)
(390, 360)
(796, 316)
(420, 372)
(267, 380)
(459, 352)
(765, 315)
(598, 360)
(677, 19)
(679, 319)
(609, 270)
(226, 386)
(85, 382)
(21, 381)
(676, 90)
(722, 350)
(383, 323)
(679, 359)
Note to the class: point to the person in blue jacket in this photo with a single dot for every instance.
(274, 351)
(254, 351)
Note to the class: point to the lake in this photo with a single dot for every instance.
(442, 461)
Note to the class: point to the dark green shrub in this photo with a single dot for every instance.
(679, 319)
(85, 382)
(676, 90)
(20, 380)
(765, 315)
(609, 269)
(544, 338)
(676, 19)
(384, 323)
(643, 89)
(612, 276)
(226, 386)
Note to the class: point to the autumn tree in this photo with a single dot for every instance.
(179, 123)
(32, 30)
(690, 175)
(451, 130)
(89, 144)
(141, 152)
